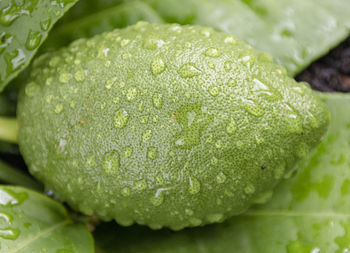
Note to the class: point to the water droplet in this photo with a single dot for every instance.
(220, 178)
(124, 42)
(228, 66)
(194, 120)
(218, 144)
(64, 78)
(214, 90)
(158, 198)
(231, 127)
(90, 161)
(9, 233)
(9, 197)
(58, 108)
(206, 32)
(188, 212)
(230, 40)
(195, 222)
(253, 108)
(140, 185)
(54, 61)
(121, 118)
(45, 24)
(32, 89)
(144, 119)
(216, 217)
(188, 45)
(213, 161)
(131, 94)
(158, 65)
(152, 153)
(153, 43)
(189, 70)
(110, 83)
(127, 151)
(125, 192)
(155, 118)
(249, 189)
(194, 185)
(157, 100)
(111, 162)
(33, 40)
(14, 60)
(6, 217)
(212, 52)
(232, 82)
(79, 76)
(146, 135)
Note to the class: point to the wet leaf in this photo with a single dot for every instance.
(32, 222)
(24, 25)
(308, 212)
(295, 32)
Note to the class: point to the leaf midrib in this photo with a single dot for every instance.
(32, 239)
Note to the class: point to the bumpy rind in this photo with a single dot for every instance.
(164, 125)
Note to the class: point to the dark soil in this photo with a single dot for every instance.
(330, 73)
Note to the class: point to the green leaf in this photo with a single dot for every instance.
(309, 212)
(24, 25)
(105, 20)
(32, 222)
(295, 32)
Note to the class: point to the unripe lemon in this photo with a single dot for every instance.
(164, 125)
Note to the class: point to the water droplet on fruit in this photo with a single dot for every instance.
(6, 217)
(131, 94)
(146, 135)
(214, 90)
(121, 118)
(45, 24)
(58, 108)
(253, 108)
(125, 192)
(228, 65)
(189, 70)
(152, 153)
(33, 40)
(158, 198)
(194, 185)
(153, 43)
(217, 217)
(90, 161)
(221, 178)
(140, 185)
(14, 60)
(157, 100)
(124, 42)
(31, 89)
(249, 189)
(111, 162)
(64, 78)
(11, 198)
(79, 76)
(158, 65)
(231, 127)
(212, 52)
(230, 40)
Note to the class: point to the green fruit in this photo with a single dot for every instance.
(164, 125)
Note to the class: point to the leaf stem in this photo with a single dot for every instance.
(8, 129)
(13, 176)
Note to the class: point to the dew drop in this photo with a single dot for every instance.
(194, 185)
(228, 66)
(9, 233)
(90, 161)
(111, 162)
(189, 70)
(127, 151)
(212, 52)
(110, 83)
(79, 76)
(153, 43)
(124, 42)
(213, 161)
(216, 217)
(231, 82)
(121, 118)
(14, 60)
(11, 198)
(230, 40)
(214, 90)
(131, 94)
(32, 89)
(6, 217)
(125, 192)
(144, 119)
(152, 153)
(220, 178)
(188, 212)
(206, 32)
(146, 135)
(54, 61)
(158, 65)
(58, 108)
(158, 198)
(45, 24)
(33, 40)
(64, 77)
(231, 127)
(249, 189)
(157, 100)
(140, 185)
(253, 108)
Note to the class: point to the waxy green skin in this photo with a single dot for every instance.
(164, 125)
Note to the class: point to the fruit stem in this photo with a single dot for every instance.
(8, 129)
(13, 176)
